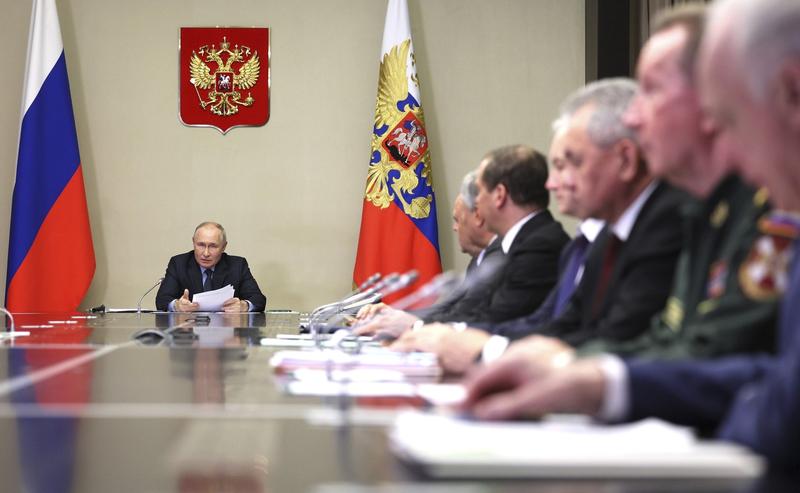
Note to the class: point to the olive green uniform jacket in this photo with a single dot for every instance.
(726, 284)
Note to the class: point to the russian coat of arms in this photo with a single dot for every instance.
(224, 77)
(400, 167)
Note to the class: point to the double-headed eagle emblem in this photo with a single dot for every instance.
(225, 84)
(400, 157)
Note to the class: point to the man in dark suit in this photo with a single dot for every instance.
(749, 73)
(475, 240)
(513, 201)
(207, 268)
(628, 270)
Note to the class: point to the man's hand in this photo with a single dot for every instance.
(183, 304)
(550, 348)
(519, 385)
(390, 323)
(368, 311)
(457, 351)
(235, 305)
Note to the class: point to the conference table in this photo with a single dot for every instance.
(103, 402)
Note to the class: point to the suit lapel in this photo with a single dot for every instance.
(625, 251)
(220, 273)
(542, 218)
(194, 275)
(493, 248)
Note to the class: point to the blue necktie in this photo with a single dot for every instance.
(567, 284)
(207, 283)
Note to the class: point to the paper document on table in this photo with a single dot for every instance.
(412, 366)
(369, 382)
(451, 447)
(211, 301)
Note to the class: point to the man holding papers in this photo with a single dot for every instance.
(208, 268)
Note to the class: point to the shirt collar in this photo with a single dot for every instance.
(623, 226)
(508, 239)
(590, 228)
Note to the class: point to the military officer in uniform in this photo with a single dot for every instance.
(719, 304)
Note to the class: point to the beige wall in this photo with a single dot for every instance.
(289, 193)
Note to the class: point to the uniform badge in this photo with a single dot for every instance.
(673, 313)
(764, 273)
(720, 214)
(224, 77)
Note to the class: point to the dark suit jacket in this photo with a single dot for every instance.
(523, 326)
(753, 400)
(464, 298)
(530, 272)
(640, 281)
(184, 273)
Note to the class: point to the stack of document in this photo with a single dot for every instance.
(447, 446)
(382, 363)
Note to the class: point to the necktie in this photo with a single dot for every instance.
(207, 282)
(566, 285)
(609, 259)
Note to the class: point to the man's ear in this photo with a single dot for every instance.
(788, 93)
(478, 220)
(628, 155)
(500, 195)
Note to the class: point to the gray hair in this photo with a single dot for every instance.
(216, 225)
(469, 190)
(767, 32)
(610, 97)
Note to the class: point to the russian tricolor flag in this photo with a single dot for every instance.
(50, 253)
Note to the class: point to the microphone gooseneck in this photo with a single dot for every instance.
(139, 304)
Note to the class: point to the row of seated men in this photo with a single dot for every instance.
(666, 303)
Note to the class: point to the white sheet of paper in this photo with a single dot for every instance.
(453, 447)
(211, 301)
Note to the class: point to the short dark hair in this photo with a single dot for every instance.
(690, 17)
(522, 171)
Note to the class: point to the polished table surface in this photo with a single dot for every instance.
(85, 406)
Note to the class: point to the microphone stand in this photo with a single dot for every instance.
(11, 333)
(139, 304)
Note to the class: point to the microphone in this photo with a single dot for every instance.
(11, 334)
(364, 285)
(369, 282)
(450, 293)
(10, 317)
(442, 283)
(400, 282)
(351, 298)
(139, 304)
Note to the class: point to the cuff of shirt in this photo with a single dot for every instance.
(171, 306)
(249, 306)
(616, 398)
(494, 348)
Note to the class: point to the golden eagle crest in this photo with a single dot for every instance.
(224, 97)
(399, 142)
